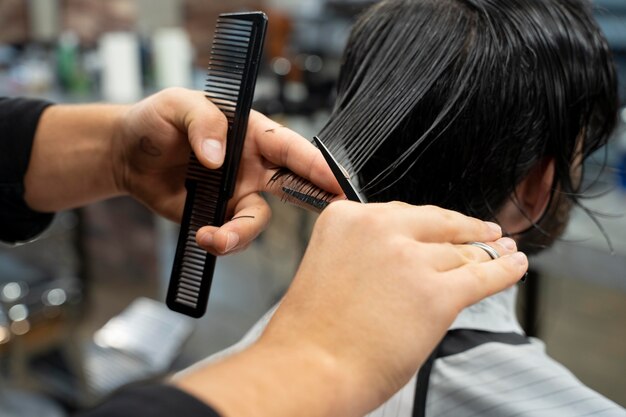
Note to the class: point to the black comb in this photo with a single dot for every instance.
(233, 68)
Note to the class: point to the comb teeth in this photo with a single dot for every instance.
(229, 54)
(194, 258)
(305, 200)
(233, 66)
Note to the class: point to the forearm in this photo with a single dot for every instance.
(276, 380)
(72, 161)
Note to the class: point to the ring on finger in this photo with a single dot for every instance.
(493, 254)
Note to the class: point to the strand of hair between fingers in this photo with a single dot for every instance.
(272, 130)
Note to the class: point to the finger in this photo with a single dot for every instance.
(474, 281)
(434, 224)
(285, 148)
(503, 246)
(252, 214)
(445, 257)
(203, 123)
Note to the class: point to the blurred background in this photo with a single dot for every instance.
(81, 309)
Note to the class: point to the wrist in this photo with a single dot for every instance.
(118, 148)
(313, 380)
(71, 162)
(278, 379)
(335, 374)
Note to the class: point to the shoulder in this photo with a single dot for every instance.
(509, 376)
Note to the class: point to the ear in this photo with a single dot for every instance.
(530, 200)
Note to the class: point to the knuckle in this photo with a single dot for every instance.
(470, 253)
(359, 215)
(511, 243)
(334, 209)
(332, 213)
(171, 94)
(447, 216)
(399, 204)
(402, 249)
(449, 247)
(454, 253)
(447, 227)
(176, 91)
(508, 268)
(477, 272)
(219, 120)
(427, 211)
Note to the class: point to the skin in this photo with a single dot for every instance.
(335, 345)
(85, 153)
(343, 339)
(536, 213)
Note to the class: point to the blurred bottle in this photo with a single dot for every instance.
(121, 67)
(71, 76)
(172, 57)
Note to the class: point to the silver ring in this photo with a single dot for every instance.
(493, 254)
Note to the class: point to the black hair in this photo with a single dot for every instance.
(459, 99)
(453, 102)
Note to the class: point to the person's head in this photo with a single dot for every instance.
(496, 103)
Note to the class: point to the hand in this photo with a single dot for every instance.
(153, 144)
(378, 287)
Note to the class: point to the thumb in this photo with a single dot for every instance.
(202, 121)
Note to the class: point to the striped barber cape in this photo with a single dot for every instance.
(484, 367)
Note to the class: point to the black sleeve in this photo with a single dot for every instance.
(151, 401)
(18, 122)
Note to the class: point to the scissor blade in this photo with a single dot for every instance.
(340, 174)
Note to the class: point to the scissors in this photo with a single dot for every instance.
(342, 176)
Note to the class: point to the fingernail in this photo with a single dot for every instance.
(508, 243)
(206, 239)
(212, 150)
(520, 258)
(494, 227)
(232, 239)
